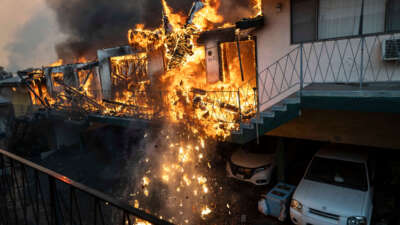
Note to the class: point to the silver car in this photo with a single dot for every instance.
(251, 167)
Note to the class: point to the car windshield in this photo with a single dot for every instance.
(338, 172)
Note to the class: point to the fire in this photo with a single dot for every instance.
(257, 7)
(146, 181)
(175, 20)
(59, 62)
(208, 16)
(139, 222)
(205, 211)
(206, 111)
(215, 109)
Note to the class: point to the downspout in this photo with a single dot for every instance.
(360, 32)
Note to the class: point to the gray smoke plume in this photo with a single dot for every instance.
(95, 24)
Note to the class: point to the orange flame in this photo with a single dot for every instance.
(57, 63)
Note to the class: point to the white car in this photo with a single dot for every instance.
(336, 189)
(255, 168)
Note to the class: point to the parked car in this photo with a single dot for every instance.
(251, 167)
(336, 189)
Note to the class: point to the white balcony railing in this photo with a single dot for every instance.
(356, 60)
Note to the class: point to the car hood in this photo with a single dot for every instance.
(251, 160)
(331, 198)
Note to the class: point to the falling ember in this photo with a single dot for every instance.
(202, 180)
(146, 181)
(165, 178)
(139, 222)
(136, 204)
(205, 189)
(205, 211)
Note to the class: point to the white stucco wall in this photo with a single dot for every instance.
(336, 61)
(273, 42)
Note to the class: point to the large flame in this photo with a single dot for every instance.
(186, 72)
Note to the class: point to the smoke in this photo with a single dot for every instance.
(96, 24)
(32, 42)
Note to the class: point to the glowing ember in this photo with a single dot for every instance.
(205, 211)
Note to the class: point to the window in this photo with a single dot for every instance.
(393, 15)
(304, 20)
(374, 16)
(338, 172)
(339, 18)
(324, 19)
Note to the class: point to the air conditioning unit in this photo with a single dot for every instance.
(391, 49)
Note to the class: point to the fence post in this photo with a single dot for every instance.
(362, 62)
(239, 105)
(301, 70)
(54, 217)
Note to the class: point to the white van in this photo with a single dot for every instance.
(336, 189)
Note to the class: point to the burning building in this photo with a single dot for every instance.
(186, 68)
(195, 72)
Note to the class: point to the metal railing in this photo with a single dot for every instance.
(32, 194)
(355, 60)
(282, 77)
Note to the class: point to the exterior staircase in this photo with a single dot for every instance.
(268, 120)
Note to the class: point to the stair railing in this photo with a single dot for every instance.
(353, 60)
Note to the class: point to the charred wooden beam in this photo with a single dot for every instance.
(247, 23)
(199, 91)
(220, 35)
(120, 103)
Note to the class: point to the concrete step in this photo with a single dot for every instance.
(292, 100)
(275, 116)
(257, 121)
(237, 132)
(268, 114)
(279, 107)
(247, 126)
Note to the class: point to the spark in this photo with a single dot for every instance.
(146, 181)
(202, 180)
(205, 211)
(165, 178)
(205, 189)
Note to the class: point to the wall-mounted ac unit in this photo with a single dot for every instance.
(391, 49)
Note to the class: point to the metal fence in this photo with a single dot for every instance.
(355, 60)
(31, 194)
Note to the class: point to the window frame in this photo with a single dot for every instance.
(316, 39)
